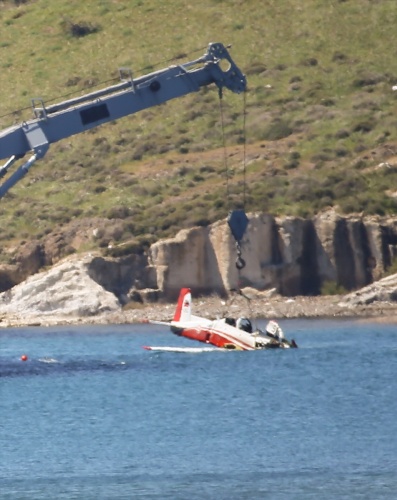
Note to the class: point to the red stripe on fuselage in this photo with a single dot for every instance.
(215, 337)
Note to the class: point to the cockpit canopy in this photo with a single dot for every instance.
(244, 324)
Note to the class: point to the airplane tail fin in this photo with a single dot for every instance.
(183, 309)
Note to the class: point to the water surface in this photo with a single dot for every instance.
(92, 415)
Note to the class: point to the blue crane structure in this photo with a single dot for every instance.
(74, 116)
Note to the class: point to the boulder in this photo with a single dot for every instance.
(66, 289)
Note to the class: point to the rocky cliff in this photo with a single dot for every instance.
(293, 256)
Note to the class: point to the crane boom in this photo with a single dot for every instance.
(74, 116)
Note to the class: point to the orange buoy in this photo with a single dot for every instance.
(24, 357)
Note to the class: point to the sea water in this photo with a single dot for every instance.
(92, 415)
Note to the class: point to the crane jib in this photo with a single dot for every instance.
(94, 114)
(75, 116)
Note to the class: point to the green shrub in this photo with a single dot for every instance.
(276, 131)
(332, 288)
(79, 29)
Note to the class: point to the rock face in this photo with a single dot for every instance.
(198, 256)
(27, 261)
(290, 255)
(296, 256)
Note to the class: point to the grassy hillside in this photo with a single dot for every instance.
(320, 114)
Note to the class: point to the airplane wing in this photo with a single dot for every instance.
(153, 322)
(191, 350)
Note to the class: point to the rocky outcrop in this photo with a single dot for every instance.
(26, 261)
(384, 290)
(91, 289)
(199, 257)
(65, 290)
(292, 255)
(67, 294)
(31, 256)
(120, 276)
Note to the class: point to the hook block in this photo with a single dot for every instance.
(238, 222)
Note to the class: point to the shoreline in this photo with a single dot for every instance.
(277, 308)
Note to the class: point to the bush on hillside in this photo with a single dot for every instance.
(80, 29)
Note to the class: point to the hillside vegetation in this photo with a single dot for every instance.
(316, 128)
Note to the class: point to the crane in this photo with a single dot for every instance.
(56, 122)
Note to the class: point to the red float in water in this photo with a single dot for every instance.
(24, 357)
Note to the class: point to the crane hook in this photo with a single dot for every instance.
(238, 222)
(240, 262)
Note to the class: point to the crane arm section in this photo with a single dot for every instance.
(74, 116)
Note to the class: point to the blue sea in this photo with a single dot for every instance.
(91, 415)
